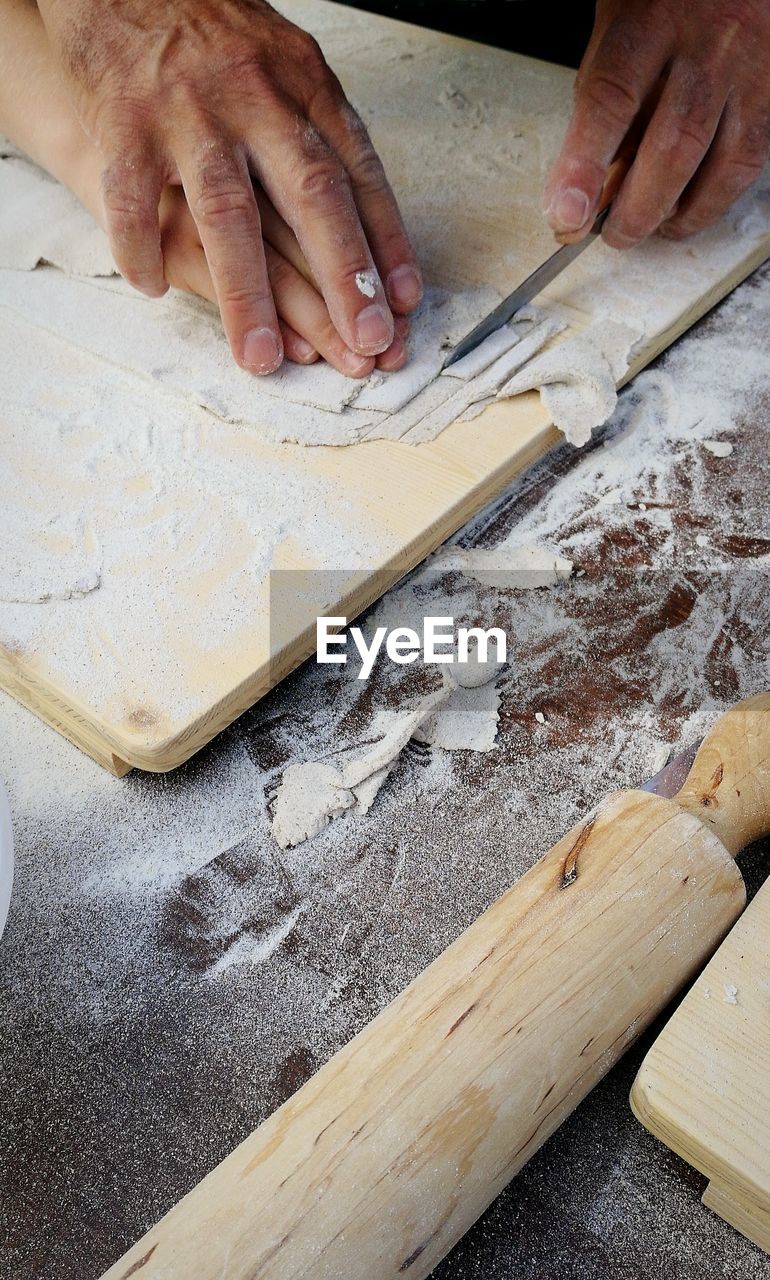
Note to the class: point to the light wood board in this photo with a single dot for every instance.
(467, 134)
(704, 1087)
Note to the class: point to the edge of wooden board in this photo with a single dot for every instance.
(711, 1123)
(121, 751)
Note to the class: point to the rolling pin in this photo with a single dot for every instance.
(378, 1165)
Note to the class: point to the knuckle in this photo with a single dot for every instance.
(130, 213)
(754, 144)
(223, 196)
(122, 120)
(366, 171)
(320, 180)
(741, 170)
(309, 55)
(224, 206)
(689, 140)
(240, 300)
(612, 94)
(282, 274)
(617, 48)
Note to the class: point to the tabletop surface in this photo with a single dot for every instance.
(169, 976)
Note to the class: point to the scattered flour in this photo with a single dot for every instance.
(154, 912)
(459, 713)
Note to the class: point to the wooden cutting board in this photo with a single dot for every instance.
(467, 134)
(704, 1087)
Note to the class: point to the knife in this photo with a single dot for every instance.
(529, 289)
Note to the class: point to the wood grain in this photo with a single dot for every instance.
(472, 201)
(704, 1087)
(378, 1165)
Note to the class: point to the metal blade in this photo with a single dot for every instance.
(529, 289)
(672, 777)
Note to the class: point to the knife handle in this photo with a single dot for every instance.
(728, 786)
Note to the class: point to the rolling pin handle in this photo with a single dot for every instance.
(728, 786)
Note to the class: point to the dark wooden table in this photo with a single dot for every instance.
(169, 976)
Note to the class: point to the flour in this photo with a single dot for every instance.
(578, 377)
(310, 795)
(177, 343)
(50, 558)
(468, 722)
(41, 221)
(719, 448)
(117, 499)
(458, 712)
(511, 564)
(366, 283)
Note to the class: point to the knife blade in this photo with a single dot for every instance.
(527, 290)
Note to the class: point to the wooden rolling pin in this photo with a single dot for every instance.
(378, 1165)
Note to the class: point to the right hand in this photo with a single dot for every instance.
(207, 93)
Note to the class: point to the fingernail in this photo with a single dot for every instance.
(261, 352)
(404, 286)
(303, 350)
(374, 329)
(355, 365)
(568, 210)
(619, 240)
(672, 231)
(395, 357)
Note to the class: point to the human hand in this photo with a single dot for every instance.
(207, 93)
(306, 328)
(685, 83)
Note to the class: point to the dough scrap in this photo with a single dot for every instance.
(577, 379)
(42, 221)
(506, 566)
(312, 793)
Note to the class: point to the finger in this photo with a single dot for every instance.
(309, 187)
(280, 235)
(397, 353)
(346, 133)
(735, 161)
(304, 310)
(184, 261)
(619, 71)
(295, 347)
(674, 144)
(218, 188)
(131, 187)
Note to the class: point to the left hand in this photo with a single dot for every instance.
(306, 325)
(688, 82)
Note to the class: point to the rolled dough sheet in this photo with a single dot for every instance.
(177, 343)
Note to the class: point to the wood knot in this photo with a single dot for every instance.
(570, 867)
(137, 1266)
(709, 797)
